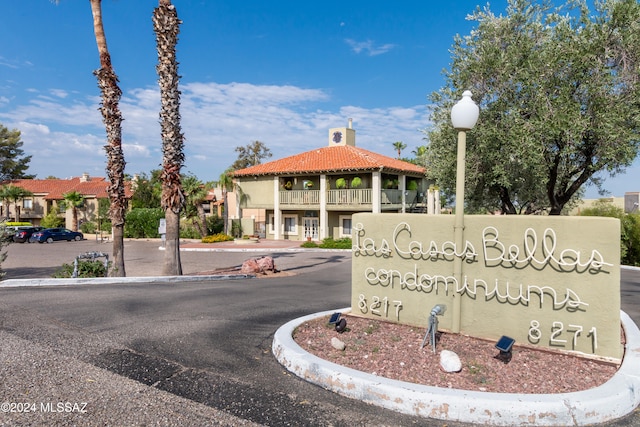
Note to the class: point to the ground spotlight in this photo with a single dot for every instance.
(504, 344)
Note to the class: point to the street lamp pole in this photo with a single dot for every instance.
(464, 116)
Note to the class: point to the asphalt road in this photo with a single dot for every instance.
(202, 349)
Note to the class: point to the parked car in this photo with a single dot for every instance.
(50, 235)
(23, 234)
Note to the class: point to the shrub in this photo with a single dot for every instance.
(143, 222)
(88, 227)
(629, 229)
(330, 243)
(92, 268)
(52, 220)
(310, 244)
(220, 237)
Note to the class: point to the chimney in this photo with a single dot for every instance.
(350, 123)
(85, 177)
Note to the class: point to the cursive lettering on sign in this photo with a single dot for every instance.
(431, 251)
(537, 253)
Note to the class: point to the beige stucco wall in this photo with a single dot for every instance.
(256, 193)
(544, 281)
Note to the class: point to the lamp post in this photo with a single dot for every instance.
(464, 116)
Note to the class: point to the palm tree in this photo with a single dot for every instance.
(73, 200)
(167, 26)
(399, 146)
(13, 193)
(226, 184)
(195, 193)
(112, 118)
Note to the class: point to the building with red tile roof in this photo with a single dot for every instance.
(312, 195)
(47, 195)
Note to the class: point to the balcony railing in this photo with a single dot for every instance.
(300, 197)
(345, 197)
(349, 197)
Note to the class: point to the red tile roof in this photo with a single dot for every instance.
(334, 159)
(54, 189)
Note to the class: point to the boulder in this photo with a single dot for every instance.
(262, 265)
(337, 344)
(449, 361)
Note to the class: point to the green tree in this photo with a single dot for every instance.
(558, 91)
(196, 194)
(251, 155)
(13, 163)
(399, 146)
(629, 229)
(226, 184)
(167, 26)
(147, 190)
(13, 193)
(112, 118)
(73, 200)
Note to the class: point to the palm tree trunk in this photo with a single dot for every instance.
(112, 118)
(167, 26)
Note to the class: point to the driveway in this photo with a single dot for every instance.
(193, 353)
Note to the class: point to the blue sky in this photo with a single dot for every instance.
(281, 72)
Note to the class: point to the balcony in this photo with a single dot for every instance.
(357, 198)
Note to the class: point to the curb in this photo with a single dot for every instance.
(612, 400)
(12, 283)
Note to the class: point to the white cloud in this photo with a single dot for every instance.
(66, 137)
(369, 47)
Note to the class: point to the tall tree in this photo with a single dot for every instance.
(147, 190)
(399, 146)
(251, 155)
(226, 184)
(73, 200)
(112, 118)
(167, 26)
(195, 194)
(13, 163)
(13, 193)
(559, 103)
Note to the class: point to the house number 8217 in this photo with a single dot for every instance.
(379, 306)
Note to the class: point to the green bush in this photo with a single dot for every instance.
(52, 220)
(93, 268)
(330, 243)
(310, 244)
(215, 224)
(143, 223)
(88, 227)
(629, 229)
(220, 237)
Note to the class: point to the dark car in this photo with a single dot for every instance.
(23, 234)
(50, 235)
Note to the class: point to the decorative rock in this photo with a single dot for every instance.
(262, 265)
(337, 344)
(449, 361)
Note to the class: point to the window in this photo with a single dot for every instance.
(27, 203)
(289, 224)
(345, 226)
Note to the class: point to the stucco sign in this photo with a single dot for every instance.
(545, 281)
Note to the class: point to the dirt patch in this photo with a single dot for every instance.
(395, 351)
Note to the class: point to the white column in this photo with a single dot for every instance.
(403, 193)
(277, 215)
(324, 215)
(430, 201)
(376, 188)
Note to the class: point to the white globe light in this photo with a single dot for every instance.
(464, 114)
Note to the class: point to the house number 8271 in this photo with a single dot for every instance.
(379, 306)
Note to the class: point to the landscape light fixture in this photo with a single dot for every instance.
(341, 324)
(464, 116)
(504, 344)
